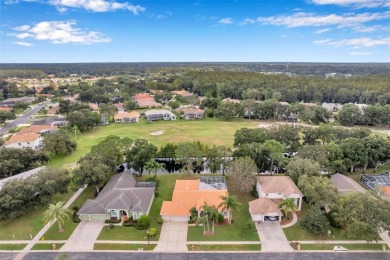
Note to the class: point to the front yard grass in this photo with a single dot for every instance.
(12, 247)
(132, 247)
(69, 226)
(229, 232)
(297, 232)
(347, 246)
(31, 223)
(224, 247)
(47, 246)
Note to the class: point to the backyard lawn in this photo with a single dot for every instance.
(207, 131)
(371, 246)
(132, 247)
(224, 247)
(32, 223)
(69, 226)
(297, 232)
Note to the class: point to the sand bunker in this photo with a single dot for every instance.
(157, 132)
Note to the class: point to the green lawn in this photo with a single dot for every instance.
(167, 183)
(69, 226)
(12, 246)
(206, 131)
(46, 246)
(347, 246)
(297, 232)
(229, 232)
(224, 247)
(133, 247)
(31, 223)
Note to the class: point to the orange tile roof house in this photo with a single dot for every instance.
(93, 106)
(127, 117)
(120, 107)
(20, 140)
(145, 100)
(272, 190)
(183, 93)
(194, 194)
(5, 109)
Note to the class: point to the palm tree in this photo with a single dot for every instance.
(288, 205)
(154, 166)
(229, 203)
(209, 213)
(57, 212)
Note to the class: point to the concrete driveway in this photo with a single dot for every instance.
(272, 237)
(83, 237)
(173, 237)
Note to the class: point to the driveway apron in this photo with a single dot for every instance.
(272, 237)
(84, 236)
(173, 237)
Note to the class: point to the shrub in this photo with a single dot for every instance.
(156, 193)
(315, 222)
(75, 208)
(143, 222)
(128, 224)
(126, 219)
(254, 192)
(250, 226)
(115, 221)
(220, 218)
(160, 220)
(152, 232)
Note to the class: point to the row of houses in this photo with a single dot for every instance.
(30, 137)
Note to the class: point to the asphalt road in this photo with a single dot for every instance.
(203, 256)
(22, 119)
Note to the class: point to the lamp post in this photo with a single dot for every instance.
(147, 232)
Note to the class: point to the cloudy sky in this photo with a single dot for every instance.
(213, 30)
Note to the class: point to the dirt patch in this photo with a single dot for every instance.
(160, 132)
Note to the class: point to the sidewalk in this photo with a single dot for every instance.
(45, 228)
(338, 242)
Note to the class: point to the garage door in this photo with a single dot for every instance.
(176, 218)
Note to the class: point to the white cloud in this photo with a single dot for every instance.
(11, 2)
(361, 53)
(22, 28)
(227, 20)
(96, 5)
(160, 16)
(26, 44)
(309, 19)
(354, 3)
(60, 32)
(356, 42)
(322, 31)
(247, 21)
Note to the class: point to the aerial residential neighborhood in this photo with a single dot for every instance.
(195, 129)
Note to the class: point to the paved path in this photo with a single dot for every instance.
(45, 228)
(84, 236)
(223, 242)
(23, 118)
(173, 237)
(293, 222)
(338, 242)
(272, 237)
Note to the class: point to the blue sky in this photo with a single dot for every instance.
(209, 31)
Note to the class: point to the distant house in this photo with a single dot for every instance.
(93, 107)
(53, 110)
(32, 140)
(39, 129)
(122, 196)
(194, 194)
(183, 93)
(120, 107)
(344, 184)
(53, 121)
(127, 117)
(191, 112)
(308, 104)
(13, 101)
(332, 107)
(144, 100)
(5, 109)
(272, 191)
(154, 115)
(231, 100)
(104, 119)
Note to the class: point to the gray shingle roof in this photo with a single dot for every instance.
(345, 184)
(120, 192)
